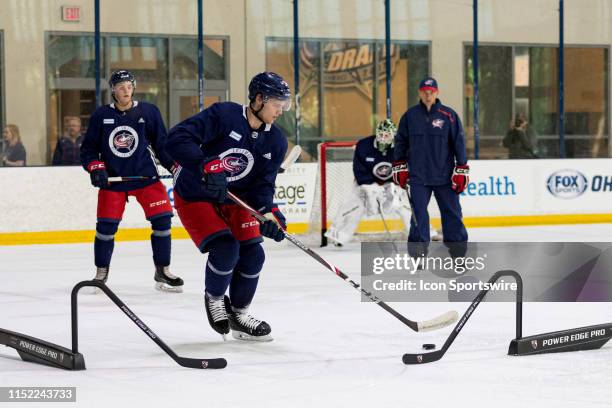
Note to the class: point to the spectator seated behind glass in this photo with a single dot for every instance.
(13, 154)
(67, 150)
(518, 143)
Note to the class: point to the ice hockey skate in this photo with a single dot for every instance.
(167, 282)
(217, 314)
(246, 327)
(101, 275)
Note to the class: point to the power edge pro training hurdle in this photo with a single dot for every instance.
(582, 338)
(42, 352)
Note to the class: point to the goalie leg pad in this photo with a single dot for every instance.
(347, 218)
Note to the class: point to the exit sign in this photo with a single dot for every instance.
(71, 13)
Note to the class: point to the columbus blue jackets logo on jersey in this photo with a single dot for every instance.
(383, 171)
(237, 162)
(437, 123)
(123, 141)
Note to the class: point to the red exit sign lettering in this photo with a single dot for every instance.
(71, 13)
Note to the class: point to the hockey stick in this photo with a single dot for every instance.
(182, 361)
(412, 216)
(438, 354)
(435, 323)
(382, 217)
(291, 158)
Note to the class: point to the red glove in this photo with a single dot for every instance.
(401, 175)
(214, 179)
(460, 178)
(213, 165)
(98, 174)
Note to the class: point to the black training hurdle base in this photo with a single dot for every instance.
(42, 352)
(582, 338)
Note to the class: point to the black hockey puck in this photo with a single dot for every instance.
(429, 346)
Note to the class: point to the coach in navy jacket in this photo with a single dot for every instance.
(430, 157)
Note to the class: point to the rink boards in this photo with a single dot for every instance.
(58, 204)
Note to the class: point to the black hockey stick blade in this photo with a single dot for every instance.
(423, 358)
(211, 363)
(42, 352)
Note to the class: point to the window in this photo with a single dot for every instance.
(184, 75)
(185, 59)
(70, 75)
(343, 85)
(522, 81)
(171, 86)
(147, 59)
(495, 99)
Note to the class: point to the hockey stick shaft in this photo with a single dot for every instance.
(384, 221)
(412, 216)
(438, 354)
(436, 323)
(182, 361)
(291, 158)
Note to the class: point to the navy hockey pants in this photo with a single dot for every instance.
(453, 229)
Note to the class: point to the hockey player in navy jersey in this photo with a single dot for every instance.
(235, 147)
(430, 157)
(373, 191)
(124, 139)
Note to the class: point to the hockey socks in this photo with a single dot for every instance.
(161, 241)
(246, 275)
(104, 243)
(222, 258)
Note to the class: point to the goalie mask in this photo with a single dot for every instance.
(385, 133)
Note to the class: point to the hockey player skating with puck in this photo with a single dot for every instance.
(124, 139)
(235, 147)
(373, 191)
(430, 157)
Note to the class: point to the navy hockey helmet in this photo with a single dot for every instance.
(271, 86)
(120, 76)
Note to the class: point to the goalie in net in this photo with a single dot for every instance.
(373, 192)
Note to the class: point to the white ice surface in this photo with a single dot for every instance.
(330, 350)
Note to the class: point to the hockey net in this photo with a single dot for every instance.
(334, 182)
